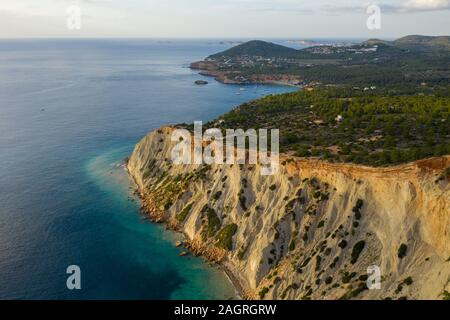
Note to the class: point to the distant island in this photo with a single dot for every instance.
(201, 82)
(408, 61)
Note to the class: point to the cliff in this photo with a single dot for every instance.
(310, 231)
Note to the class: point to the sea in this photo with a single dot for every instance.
(71, 110)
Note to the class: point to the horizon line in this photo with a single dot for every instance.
(210, 38)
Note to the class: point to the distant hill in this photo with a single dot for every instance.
(271, 50)
(372, 42)
(442, 42)
(409, 61)
(257, 48)
(423, 40)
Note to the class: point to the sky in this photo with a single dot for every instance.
(221, 18)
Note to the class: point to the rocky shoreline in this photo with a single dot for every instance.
(208, 69)
(195, 246)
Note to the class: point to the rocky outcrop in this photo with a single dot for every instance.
(210, 69)
(312, 230)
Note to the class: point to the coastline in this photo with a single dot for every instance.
(206, 70)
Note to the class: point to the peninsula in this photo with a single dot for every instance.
(364, 182)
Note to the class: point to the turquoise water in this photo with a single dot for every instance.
(70, 112)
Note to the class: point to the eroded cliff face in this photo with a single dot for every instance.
(310, 231)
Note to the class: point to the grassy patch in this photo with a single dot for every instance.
(225, 236)
(183, 213)
(213, 221)
(446, 295)
(263, 292)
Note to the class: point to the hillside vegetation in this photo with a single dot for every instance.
(373, 128)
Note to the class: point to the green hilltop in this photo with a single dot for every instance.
(257, 48)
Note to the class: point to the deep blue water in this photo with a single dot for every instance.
(70, 111)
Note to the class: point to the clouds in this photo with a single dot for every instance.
(391, 7)
(425, 5)
(221, 18)
(327, 6)
(412, 6)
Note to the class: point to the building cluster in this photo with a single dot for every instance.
(343, 50)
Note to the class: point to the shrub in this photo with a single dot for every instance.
(357, 209)
(292, 245)
(353, 293)
(167, 205)
(213, 222)
(357, 248)
(305, 237)
(342, 244)
(272, 187)
(242, 202)
(318, 261)
(146, 174)
(317, 194)
(263, 292)
(305, 263)
(242, 252)
(321, 224)
(217, 195)
(408, 281)
(359, 203)
(446, 295)
(328, 280)
(444, 175)
(347, 277)
(402, 251)
(225, 236)
(183, 213)
(363, 277)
